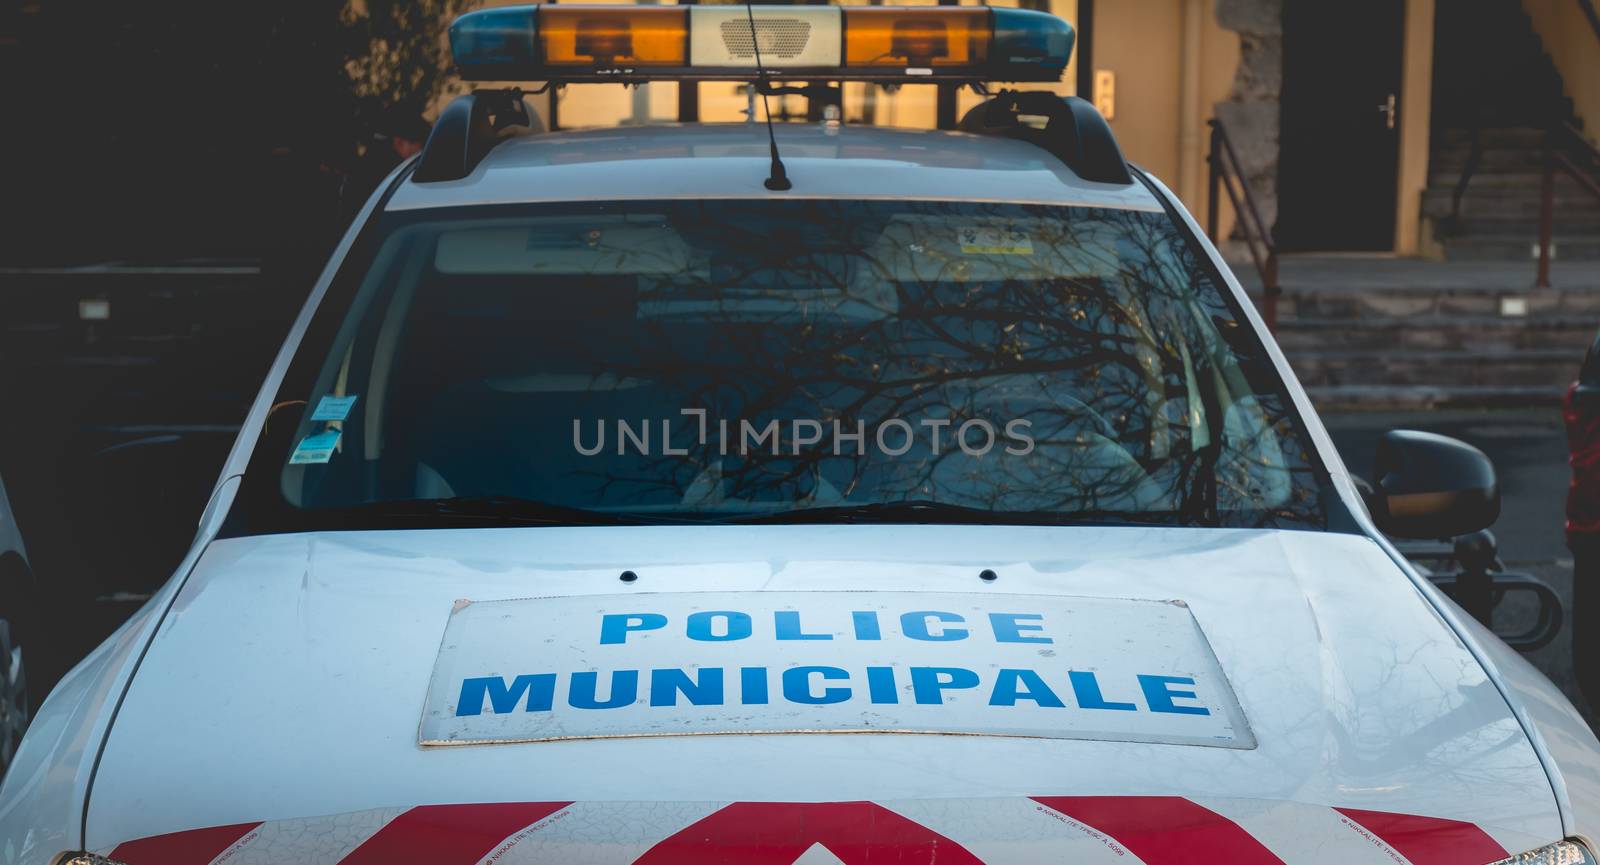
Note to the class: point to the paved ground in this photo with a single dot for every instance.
(1528, 447)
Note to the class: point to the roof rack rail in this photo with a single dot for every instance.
(1073, 130)
(468, 128)
(471, 125)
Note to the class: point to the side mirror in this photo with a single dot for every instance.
(1431, 486)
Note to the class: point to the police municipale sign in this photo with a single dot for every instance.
(542, 669)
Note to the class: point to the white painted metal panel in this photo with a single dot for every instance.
(316, 650)
(732, 160)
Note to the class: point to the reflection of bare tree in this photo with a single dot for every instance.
(1096, 329)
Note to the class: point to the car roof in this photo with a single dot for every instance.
(731, 161)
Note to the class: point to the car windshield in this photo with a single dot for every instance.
(782, 361)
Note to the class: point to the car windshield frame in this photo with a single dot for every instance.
(261, 508)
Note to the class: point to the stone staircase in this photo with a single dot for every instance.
(1499, 217)
(1421, 349)
(1495, 84)
(1470, 330)
(1376, 333)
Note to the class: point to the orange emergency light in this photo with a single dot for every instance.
(641, 43)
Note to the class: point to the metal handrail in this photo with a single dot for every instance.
(1226, 171)
(1594, 17)
(1558, 140)
(1474, 156)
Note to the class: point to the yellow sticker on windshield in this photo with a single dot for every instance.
(985, 240)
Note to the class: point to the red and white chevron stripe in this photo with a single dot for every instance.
(1092, 830)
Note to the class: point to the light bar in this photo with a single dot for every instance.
(857, 43)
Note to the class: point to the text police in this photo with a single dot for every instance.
(1057, 686)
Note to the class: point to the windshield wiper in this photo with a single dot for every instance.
(925, 511)
(498, 510)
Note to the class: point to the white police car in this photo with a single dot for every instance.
(672, 496)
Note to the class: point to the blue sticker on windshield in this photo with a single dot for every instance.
(315, 448)
(334, 407)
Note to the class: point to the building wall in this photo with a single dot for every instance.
(1140, 41)
(1412, 234)
(1174, 63)
(1575, 48)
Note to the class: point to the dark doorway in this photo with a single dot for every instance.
(1339, 144)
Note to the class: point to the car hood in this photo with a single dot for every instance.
(1290, 695)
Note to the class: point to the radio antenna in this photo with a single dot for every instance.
(778, 179)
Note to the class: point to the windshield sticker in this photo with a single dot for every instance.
(979, 240)
(316, 448)
(334, 408)
(697, 663)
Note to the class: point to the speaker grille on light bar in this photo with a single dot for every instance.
(790, 36)
(781, 38)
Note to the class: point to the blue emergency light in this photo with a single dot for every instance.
(564, 43)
